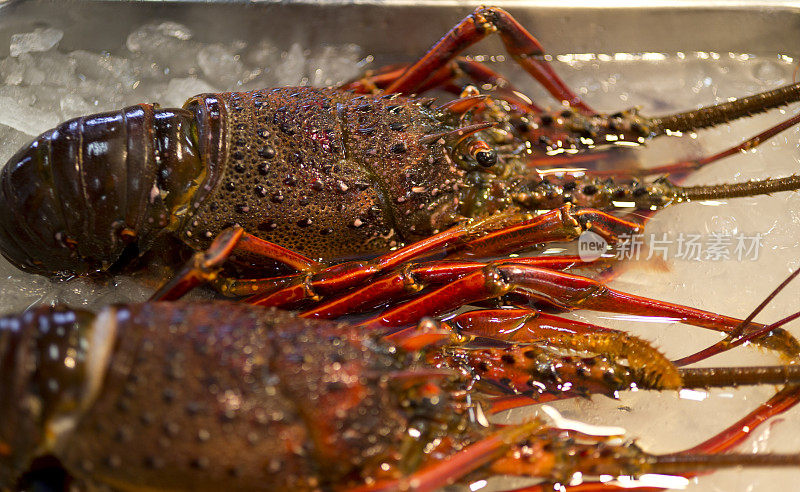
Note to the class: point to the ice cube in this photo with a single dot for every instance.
(25, 118)
(221, 65)
(41, 39)
(334, 64)
(103, 67)
(153, 36)
(164, 48)
(179, 90)
(292, 66)
(73, 105)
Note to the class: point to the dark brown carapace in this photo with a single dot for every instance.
(327, 173)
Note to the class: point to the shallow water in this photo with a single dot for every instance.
(161, 62)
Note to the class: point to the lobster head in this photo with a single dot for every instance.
(78, 195)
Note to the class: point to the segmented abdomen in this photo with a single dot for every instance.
(78, 194)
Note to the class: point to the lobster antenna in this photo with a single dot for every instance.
(737, 190)
(738, 336)
(663, 192)
(719, 377)
(722, 113)
(678, 463)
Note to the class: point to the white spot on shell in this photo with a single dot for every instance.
(154, 192)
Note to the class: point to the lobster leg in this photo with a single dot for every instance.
(514, 231)
(346, 275)
(521, 45)
(515, 238)
(451, 469)
(413, 278)
(204, 266)
(519, 325)
(563, 291)
(508, 326)
(374, 82)
(444, 78)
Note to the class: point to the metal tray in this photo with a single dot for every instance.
(400, 31)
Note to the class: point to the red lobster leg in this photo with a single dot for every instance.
(521, 45)
(449, 470)
(412, 279)
(561, 290)
(517, 237)
(519, 325)
(523, 231)
(204, 266)
(379, 80)
(444, 78)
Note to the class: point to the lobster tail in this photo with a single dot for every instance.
(43, 383)
(77, 195)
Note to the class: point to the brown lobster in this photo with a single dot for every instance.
(324, 175)
(204, 396)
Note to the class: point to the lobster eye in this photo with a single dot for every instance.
(486, 158)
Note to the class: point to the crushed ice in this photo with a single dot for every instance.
(41, 39)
